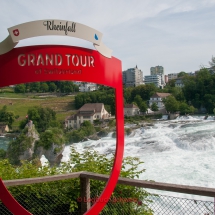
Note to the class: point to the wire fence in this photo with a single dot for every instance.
(63, 198)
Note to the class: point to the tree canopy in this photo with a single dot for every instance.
(43, 118)
(7, 117)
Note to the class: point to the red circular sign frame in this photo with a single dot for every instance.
(66, 63)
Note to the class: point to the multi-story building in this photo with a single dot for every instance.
(157, 70)
(172, 76)
(153, 79)
(132, 77)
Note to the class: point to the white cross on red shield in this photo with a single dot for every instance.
(16, 32)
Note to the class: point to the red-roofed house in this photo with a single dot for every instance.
(90, 112)
(131, 110)
(157, 98)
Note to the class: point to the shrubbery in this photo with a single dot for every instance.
(64, 193)
(78, 135)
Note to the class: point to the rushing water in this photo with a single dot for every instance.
(180, 151)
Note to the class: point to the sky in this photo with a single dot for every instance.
(176, 34)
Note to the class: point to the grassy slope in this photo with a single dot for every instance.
(19, 104)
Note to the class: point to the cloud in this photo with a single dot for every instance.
(177, 34)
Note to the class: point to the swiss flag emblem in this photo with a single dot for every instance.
(16, 32)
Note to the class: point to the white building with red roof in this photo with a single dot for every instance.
(157, 98)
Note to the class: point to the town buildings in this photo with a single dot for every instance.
(132, 77)
(179, 82)
(131, 110)
(156, 76)
(89, 112)
(155, 79)
(157, 98)
(172, 76)
(157, 70)
(87, 87)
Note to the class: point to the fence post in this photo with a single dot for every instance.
(85, 194)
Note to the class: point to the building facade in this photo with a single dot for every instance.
(131, 110)
(153, 79)
(88, 112)
(132, 77)
(157, 70)
(179, 82)
(172, 76)
(157, 99)
(87, 87)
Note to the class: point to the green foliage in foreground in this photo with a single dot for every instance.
(52, 196)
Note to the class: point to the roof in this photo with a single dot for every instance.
(88, 109)
(160, 95)
(130, 106)
(97, 107)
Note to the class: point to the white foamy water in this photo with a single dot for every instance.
(180, 151)
(177, 151)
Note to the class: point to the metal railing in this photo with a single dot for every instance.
(30, 193)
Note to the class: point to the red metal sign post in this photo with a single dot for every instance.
(52, 63)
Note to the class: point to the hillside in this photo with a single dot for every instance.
(20, 103)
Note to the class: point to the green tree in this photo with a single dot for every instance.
(143, 107)
(185, 108)
(52, 87)
(42, 118)
(182, 74)
(34, 87)
(171, 83)
(68, 87)
(171, 104)
(7, 117)
(78, 135)
(20, 88)
(88, 128)
(138, 100)
(3, 154)
(212, 62)
(50, 136)
(17, 146)
(154, 107)
(44, 87)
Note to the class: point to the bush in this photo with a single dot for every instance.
(2, 154)
(64, 193)
(102, 133)
(78, 135)
(128, 131)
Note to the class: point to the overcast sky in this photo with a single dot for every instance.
(176, 34)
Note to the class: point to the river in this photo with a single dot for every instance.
(180, 151)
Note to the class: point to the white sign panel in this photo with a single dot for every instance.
(53, 27)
